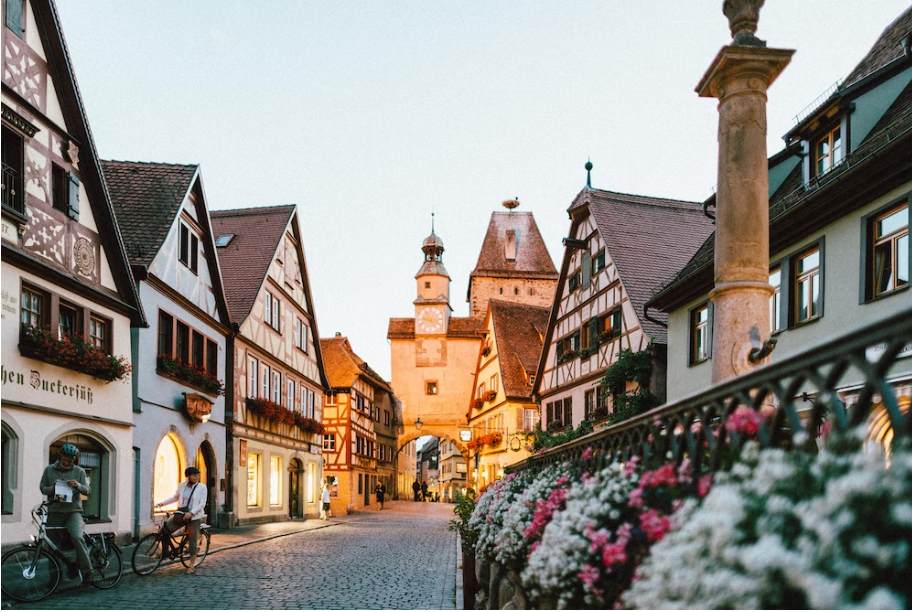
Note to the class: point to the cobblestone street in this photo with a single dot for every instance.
(400, 558)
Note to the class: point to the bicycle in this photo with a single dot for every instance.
(32, 572)
(147, 555)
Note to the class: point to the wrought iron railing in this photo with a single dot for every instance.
(864, 365)
(11, 189)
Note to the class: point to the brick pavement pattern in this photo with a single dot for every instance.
(401, 558)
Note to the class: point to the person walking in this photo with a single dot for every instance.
(191, 499)
(64, 483)
(380, 492)
(424, 490)
(325, 488)
(416, 488)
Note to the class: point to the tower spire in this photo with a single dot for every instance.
(432, 222)
(589, 174)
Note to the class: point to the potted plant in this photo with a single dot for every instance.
(477, 403)
(191, 374)
(71, 352)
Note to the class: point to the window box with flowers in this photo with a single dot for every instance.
(193, 375)
(71, 352)
(486, 351)
(490, 396)
(566, 356)
(478, 403)
(279, 415)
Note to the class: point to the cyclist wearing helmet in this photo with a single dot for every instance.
(62, 513)
(191, 499)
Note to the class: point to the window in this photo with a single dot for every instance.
(430, 387)
(165, 334)
(290, 386)
(98, 333)
(60, 189)
(253, 369)
(427, 285)
(33, 307)
(568, 411)
(253, 479)
(168, 470)
(610, 323)
(183, 342)
(494, 384)
(807, 286)
(265, 379)
(569, 345)
(9, 467)
(700, 333)
(304, 391)
(589, 403)
(300, 335)
(70, 320)
(197, 349)
(275, 481)
(576, 278)
(224, 240)
(95, 460)
(188, 253)
(331, 399)
(386, 417)
(481, 391)
(271, 312)
(828, 151)
(329, 442)
(890, 244)
(13, 167)
(598, 262)
(382, 452)
(311, 404)
(211, 357)
(529, 419)
(15, 16)
(277, 387)
(775, 280)
(359, 445)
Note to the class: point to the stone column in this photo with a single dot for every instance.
(739, 77)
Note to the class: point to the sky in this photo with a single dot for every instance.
(371, 115)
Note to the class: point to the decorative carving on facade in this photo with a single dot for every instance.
(84, 256)
(198, 407)
(72, 152)
(19, 122)
(24, 72)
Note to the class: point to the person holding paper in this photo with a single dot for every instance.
(191, 498)
(64, 483)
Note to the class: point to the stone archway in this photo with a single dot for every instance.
(450, 434)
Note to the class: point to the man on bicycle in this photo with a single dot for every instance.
(65, 507)
(191, 500)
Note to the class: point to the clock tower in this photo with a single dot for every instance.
(432, 306)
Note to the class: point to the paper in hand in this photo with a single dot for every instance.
(63, 492)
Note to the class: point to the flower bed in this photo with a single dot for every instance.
(779, 529)
(191, 374)
(71, 352)
(274, 413)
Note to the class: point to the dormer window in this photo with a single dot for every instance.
(828, 151)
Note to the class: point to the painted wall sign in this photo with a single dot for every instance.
(33, 379)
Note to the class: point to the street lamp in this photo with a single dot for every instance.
(418, 423)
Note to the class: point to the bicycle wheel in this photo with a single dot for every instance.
(108, 566)
(29, 574)
(147, 555)
(202, 544)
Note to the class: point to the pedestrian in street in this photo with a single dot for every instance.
(446, 496)
(416, 488)
(191, 500)
(424, 490)
(64, 483)
(325, 488)
(380, 492)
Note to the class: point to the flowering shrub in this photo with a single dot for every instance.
(275, 413)
(191, 374)
(71, 352)
(487, 519)
(790, 530)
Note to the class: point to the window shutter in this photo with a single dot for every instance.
(73, 211)
(593, 331)
(14, 14)
(520, 419)
(587, 270)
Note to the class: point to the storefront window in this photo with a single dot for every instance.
(167, 470)
(253, 479)
(275, 481)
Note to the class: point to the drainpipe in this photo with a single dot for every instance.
(739, 77)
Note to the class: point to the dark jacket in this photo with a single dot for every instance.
(52, 474)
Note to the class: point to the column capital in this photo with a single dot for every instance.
(749, 63)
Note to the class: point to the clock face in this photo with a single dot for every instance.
(430, 320)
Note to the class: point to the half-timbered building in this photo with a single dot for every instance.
(503, 412)
(179, 359)
(274, 444)
(68, 295)
(620, 247)
(359, 420)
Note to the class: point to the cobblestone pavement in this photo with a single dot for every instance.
(400, 558)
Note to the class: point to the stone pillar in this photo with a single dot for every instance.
(739, 77)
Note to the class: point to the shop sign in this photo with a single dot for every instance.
(45, 386)
(198, 407)
(242, 453)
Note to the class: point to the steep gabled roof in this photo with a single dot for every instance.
(343, 366)
(146, 198)
(76, 122)
(519, 333)
(457, 327)
(885, 50)
(245, 261)
(532, 258)
(649, 240)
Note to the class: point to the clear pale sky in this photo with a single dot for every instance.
(372, 114)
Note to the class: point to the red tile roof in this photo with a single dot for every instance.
(146, 197)
(245, 261)
(648, 239)
(343, 366)
(518, 330)
(532, 258)
(458, 327)
(885, 50)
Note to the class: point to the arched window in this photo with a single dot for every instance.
(9, 467)
(94, 458)
(168, 470)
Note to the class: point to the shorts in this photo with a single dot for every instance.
(326, 505)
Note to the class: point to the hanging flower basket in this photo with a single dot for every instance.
(191, 374)
(477, 403)
(489, 396)
(71, 352)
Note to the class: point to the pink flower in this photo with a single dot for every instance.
(825, 428)
(636, 498)
(696, 428)
(587, 454)
(614, 553)
(630, 466)
(704, 484)
(654, 524)
(745, 421)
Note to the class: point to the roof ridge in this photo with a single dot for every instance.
(655, 200)
(250, 210)
(143, 163)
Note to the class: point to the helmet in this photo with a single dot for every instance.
(191, 470)
(69, 450)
